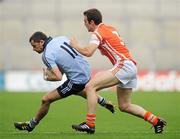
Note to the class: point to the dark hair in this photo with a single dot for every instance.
(93, 14)
(37, 36)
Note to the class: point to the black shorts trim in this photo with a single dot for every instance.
(68, 88)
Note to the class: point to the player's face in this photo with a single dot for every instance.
(37, 46)
(89, 25)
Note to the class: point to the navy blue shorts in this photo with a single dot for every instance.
(68, 88)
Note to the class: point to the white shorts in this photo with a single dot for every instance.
(126, 73)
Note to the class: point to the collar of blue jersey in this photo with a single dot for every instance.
(47, 41)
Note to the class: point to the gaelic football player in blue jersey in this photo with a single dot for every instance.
(60, 58)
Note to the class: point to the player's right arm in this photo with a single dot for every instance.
(52, 74)
(87, 50)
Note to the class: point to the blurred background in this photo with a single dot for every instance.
(150, 29)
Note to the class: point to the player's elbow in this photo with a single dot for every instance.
(59, 78)
(58, 75)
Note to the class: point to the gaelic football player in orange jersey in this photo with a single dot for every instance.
(123, 74)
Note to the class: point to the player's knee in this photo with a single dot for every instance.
(89, 87)
(45, 100)
(123, 107)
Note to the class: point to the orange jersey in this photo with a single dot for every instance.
(110, 44)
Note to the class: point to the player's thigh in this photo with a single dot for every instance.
(126, 73)
(82, 94)
(52, 96)
(103, 79)
(124, 95)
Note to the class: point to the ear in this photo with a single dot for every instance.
(42, 41)
(91, 22)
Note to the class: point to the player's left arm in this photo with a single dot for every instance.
(87, 50)
(52, 74)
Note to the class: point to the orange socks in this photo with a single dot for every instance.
(90, 119)
(150, 118)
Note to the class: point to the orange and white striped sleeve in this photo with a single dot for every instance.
(95, 38)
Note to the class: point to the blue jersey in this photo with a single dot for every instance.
(58, 53)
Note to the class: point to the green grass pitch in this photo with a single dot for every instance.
(64, 113)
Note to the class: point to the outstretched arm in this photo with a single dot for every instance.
(86, 51)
